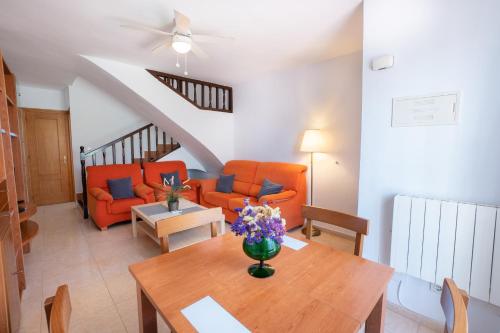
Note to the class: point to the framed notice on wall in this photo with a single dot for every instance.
(430, 110)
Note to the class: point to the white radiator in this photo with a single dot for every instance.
(434, 239)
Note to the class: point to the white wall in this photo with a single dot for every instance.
(42, 98)
(272, 113)
(439, 46)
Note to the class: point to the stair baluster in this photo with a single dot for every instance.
(156, 140)
(113, 152)
(132, 149)
(149, 144)
(140, 146)
(123, 151)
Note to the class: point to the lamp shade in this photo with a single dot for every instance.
(313, 141)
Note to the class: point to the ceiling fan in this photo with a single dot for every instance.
(180, 37)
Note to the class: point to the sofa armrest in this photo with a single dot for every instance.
(194, 183)
(100, 194)
(207, 185)
(278, 197)
(143, 191)
(157, 186)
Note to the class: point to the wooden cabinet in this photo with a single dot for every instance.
(10, 308)
(14, 201)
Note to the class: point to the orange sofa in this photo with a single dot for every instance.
(103, 209)
(249, 176)
(152, 178)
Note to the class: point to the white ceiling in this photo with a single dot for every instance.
(42, 39)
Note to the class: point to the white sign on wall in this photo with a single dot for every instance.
(438, 109)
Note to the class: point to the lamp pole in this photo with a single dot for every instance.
(312, 174)
(315, 231)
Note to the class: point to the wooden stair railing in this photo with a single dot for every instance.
(204, 95)
(146, 144)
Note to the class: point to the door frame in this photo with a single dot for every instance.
(69, 145)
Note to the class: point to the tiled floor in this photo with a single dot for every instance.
(94, 264)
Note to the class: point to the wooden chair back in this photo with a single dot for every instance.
(357, 224)
(58, 310)
(454, 302)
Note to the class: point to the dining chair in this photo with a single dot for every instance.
(58, 310)
(357, 224)
(454, 302)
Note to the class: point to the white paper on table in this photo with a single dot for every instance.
(293, 243)
(206, 315)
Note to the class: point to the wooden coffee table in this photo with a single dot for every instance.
(158, 223)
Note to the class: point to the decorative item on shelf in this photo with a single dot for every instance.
(173, 192)
(263, 229)
(312, 142)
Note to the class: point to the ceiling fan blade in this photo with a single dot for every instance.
(163, 43)
(182, 23)
(198, 51)
(201, 38)
(142, 27)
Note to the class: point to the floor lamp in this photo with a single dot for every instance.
(312, 143)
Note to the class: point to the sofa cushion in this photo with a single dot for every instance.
(168, 176)
(221, 199)
(238, 203)
(225, 184)
(244, 174)
(121, 188)
(152, 170)
(268, 187)
(123, 205)
(98, 175)
(286, 174)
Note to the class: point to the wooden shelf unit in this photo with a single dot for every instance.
(15, 204)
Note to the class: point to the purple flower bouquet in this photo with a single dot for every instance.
(263, 229)
(259, 222)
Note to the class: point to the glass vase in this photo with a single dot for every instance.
(173, 205)
(265, 250)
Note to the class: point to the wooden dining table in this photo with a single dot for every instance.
(314, 289)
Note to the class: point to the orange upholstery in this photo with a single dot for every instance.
(249, 176)
(120, 206)
(102, 208)
(152, 178)
(219, 199)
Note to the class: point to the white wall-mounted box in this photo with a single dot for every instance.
(429, 110)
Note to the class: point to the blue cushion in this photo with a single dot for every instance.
(225, 184)
(121, 188)
(268, 187)
(168, 177)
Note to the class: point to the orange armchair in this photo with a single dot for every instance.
(152, 178)
(249, 176)
(103, 209)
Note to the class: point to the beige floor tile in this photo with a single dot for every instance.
(127, 309)
(425, 329)
(97, 320)
(330, 239)
(396, 323)
(31, 315)
(121, 287)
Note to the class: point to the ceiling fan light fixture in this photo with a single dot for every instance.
(181, 44)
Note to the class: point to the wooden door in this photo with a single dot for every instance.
(49, 155)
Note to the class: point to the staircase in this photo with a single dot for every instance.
(197, 113)
(146, 144)
(202, 94)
